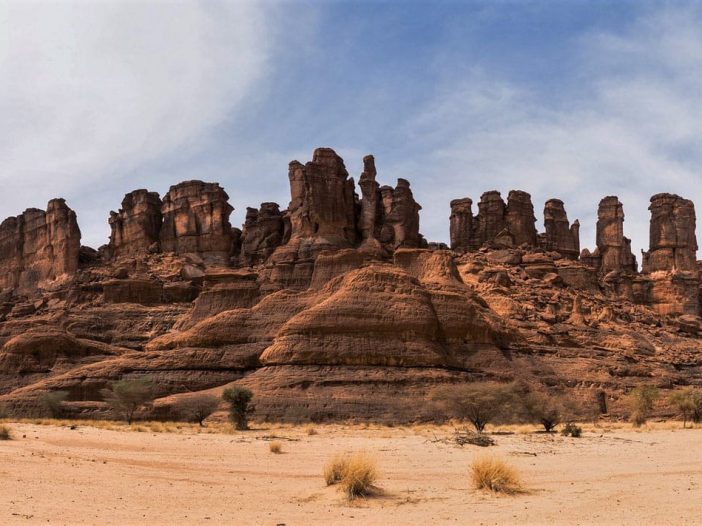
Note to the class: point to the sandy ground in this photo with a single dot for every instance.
(55, 475)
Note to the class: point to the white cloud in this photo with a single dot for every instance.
(91, 90)
(632, 128)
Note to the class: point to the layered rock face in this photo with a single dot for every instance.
(673, 243)
(497, 223)
(461, 223)
(613, 253)
(262, 234)
(136, 227)
(671, 281)
(38, 246)
(560, 236)
(196, 221)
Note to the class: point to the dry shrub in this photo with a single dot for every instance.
(276, 447)
(493, 474)
(356, 474)
(5, 433)
(359, 476)
(311, 430)
(334, 469)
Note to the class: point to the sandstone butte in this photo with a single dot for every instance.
(337, 307)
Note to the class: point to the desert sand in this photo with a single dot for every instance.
(53, 474)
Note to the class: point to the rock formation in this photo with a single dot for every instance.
(332, 309)
(262, 234)
(136, 227)
(196, 221)
(560, 236)
(37, 246)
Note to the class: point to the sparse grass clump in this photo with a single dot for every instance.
(311, 430)
(356, 474)
(5, 433)
(276, 447)
(493, 474)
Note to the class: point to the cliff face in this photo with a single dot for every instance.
(38, 246)
(337, 307)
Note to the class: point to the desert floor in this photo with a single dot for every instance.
(52, 474)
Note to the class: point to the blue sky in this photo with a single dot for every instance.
(568, 99)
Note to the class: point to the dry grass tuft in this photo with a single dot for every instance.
(359, 476)
(311, 430)
(493, 474)
(5, 433)
(356, 474)
(334, 469)
(276, 447)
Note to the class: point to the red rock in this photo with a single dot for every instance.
(137, 225)
(560, 236)
(461, 224)
(262, 234)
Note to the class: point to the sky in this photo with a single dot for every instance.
(569, 99)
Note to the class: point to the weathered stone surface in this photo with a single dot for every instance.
(519, 216)
(490, 221)
(137, 225)
(38, 246)
(196, 221)
(142, 291)
(613, 253)
(673, 243)
(262, 234)
(400, 226)
(560, 236)
(461, 224)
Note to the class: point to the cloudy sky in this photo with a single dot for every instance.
(568, 99)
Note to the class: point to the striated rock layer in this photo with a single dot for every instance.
(337, 308)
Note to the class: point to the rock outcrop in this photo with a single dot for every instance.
(673, 243)
(262, 234)
(560, 236)
(613, 252)
(196, 221)
(136, 228)
(461, 224)
(38, 246)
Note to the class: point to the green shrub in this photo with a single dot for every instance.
(52, 402)
(572, 430)
(125, 397)
(196, 408)
(688, 403)
(641, 400)
(238, 399)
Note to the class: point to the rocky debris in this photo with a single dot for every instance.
(136, 228)
(262, 234)
(196, 221)
(38, 246)
(560, 236)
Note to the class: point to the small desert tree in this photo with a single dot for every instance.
(238, 399)
(641, 400)
(546, 409)
(125, 397)
(687, 402)
(480, 403)
(52, 402)
(197, 408)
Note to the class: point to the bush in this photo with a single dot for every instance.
(491, 473)
(572, 430)
(276, 447)
(334, 469)
(547, 410)
(356, 474)
(480, 403)
(311, 430)
(238, 399)
(196, 408)
(641, 400)
(52, 402)
(5, 433)
(687, 402)
(125, 397)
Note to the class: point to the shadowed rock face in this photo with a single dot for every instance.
(37, 246)
(613, 253)
(519, 216)
(136, 227)
(673, 244)
(196, 221)
(560, 236)
(461, 223)
(262, 233)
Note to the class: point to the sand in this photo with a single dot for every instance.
(55, 475)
